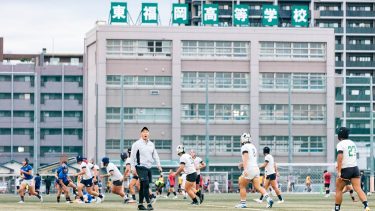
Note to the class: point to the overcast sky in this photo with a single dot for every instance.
(59, 25)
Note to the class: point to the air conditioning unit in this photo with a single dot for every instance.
(154, 92)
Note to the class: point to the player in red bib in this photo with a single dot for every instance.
(327, 181)
(172, 183)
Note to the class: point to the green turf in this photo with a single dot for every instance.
(293, 202)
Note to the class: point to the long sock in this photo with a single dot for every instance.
(261, 198)
(100, 196)
(195, 200)
(353, 198)
(81, 198)
(364, 204)
(327, 191)
(174, 193)
(75, 191)
(22, 198)
(168, 194)
(133, 197)
(67, 198)
(267, 197)
(58, 199)
(38, 196)
(280, 197)
(198, 193)
(337, 207)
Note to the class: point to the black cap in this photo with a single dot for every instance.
(266, 150)
(26, 160)
(145, 128)
(123, 156)
(105, 160)
(343, 133)
(79, 158)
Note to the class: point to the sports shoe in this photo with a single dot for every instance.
(41, 199)
(21, 202)
(68, 202)
(141, 207)
(149, 207)
(280, 201)
(327, 195)
(126, 201)
(367, 209)
(240, 205)
(98, 200)
(269, 204)
(102, 199)
(175, 197)
(258, 201)
(194, 203)
(201, 198)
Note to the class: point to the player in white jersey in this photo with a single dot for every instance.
(199, 164)
(271, 174)
(86, 180)
(347, 169)
(187, 166)
(129, 178)
(251, 171)
(95, 171)
(116, 177)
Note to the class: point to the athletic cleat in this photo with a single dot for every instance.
(327, 195)
(258, 201)
(126, 201)
(367, 209)
(240, 205)
(269, 204)
(141, 207)
(21, 202)
(175, 197)
(280, 202)
(194, 203)
(41, 199)
(98, 200)
(149, 207)
(201, 198)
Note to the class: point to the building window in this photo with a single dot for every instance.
(140, 114)
(215, 49)
(277, 144)
(143, 48)
(294, 50)
(218, 144)
(216, 80)
(163, 144)
(140, 81)
(308, 144)
(273, 112)
(217, 112)
(300, 81)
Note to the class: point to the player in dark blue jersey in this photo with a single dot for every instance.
(65, 182)
(57, 184)
(27, 176)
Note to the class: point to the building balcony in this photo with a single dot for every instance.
(339, 63)
(23, 104)
(360, 64)
(339, 47)
(285, 13)
(360, 30)
(50, 122)
(73, 140)
(360, 47)
(51, 104)
(24, 87)
(358, 98)
(358, 114)
(6, 86)
(358, 80)
(73, 105)
(23, 140)
(5, 122)
(339, 30)
(6, 104)
(73, 69)
(5, 140)
(50, 87)
(50, 140)
(73, 122)
(73, 87)
(360, 14)
(327, 13)
(23, 122)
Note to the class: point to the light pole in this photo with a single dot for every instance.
(371, 139)
(122, 123)
(206, 110)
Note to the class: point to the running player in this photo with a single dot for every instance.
(187, 166)
(199, 164)
(64, 182)
(86, 180)
(347, 169)
(327, 181)
(95, 171)
(129, 176)
(116, 177)
(251, 171)
(349, 187)
(57, 184)
(172, 182)
(27, 175)
(271, 174)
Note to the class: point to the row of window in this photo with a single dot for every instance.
(140, 114)
(215, 49)
(299, 81)
(275, 112)
(215, 112)
(307, 50)
(134, 81)
(301, 144)
(159, 144)
(139, 48)
(216, 80)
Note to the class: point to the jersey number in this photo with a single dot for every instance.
(352, 151)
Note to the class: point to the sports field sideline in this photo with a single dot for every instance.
(293, 202)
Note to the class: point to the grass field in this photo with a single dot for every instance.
(213, 202)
